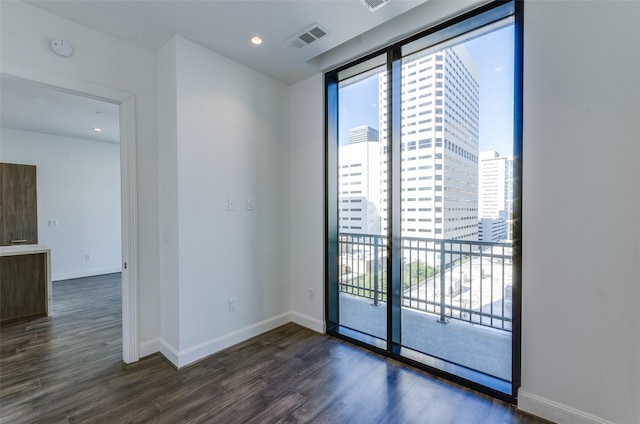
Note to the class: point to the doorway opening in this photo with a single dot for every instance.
(124, 188)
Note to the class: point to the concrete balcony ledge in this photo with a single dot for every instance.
(474, 346)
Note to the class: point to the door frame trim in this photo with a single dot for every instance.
(128, 181)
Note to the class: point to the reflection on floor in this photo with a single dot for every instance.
(477, 347)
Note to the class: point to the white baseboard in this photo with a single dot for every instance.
(188, 356)
(555, 412)
(309, 322)
(183, 358)
(148, 348)
(169, 352)
(84, 273)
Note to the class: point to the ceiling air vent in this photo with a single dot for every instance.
(307, 36)
(374, 5)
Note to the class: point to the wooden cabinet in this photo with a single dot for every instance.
(25, 281)
(25, 266)
(19, 210)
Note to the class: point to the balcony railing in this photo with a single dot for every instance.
(453, 279)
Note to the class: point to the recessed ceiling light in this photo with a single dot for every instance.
(256, 40)
(97, 129)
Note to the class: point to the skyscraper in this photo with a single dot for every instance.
(495, 195)
(493, 185)
(359, 182)
(439, 145)
(363, 133)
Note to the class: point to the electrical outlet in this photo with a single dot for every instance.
(311, 294)
(87, 256)
(232, 304)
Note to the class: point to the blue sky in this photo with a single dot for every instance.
(493, 55)
(358, 105)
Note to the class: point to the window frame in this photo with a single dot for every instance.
(391, 347)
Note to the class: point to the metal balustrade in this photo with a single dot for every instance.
(453, 279)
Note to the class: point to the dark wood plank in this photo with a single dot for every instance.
(68, 369)
(19, 212)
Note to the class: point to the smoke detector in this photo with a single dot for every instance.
(61, 47)
(308, 36)
(374, 5)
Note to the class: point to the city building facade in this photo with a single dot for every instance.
(359, 182)
(495, 197)
(439, 145)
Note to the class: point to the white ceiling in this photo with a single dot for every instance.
(28, 107)
(224, 26)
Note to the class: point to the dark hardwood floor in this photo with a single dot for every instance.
(68, 369)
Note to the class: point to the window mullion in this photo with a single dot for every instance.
(331, 204)
(394, 260)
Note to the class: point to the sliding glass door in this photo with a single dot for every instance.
(422, 197)
(362, 200)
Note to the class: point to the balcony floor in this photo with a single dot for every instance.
(473, 346)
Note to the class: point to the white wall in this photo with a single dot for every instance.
(307, 202)
(79, 187)
(581, 235)
(231, 142)
(168, 201)
(581, 281)
(25, 34)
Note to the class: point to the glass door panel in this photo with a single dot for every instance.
(422, 254)
(362, 203)
(457, 156)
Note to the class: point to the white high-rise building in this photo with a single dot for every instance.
(490, 229)
(510, 198)
(495, 195)
(440, 135)
(493, 185)
(359, 182)
(363, 133)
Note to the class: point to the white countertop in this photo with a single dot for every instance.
(24, 249)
